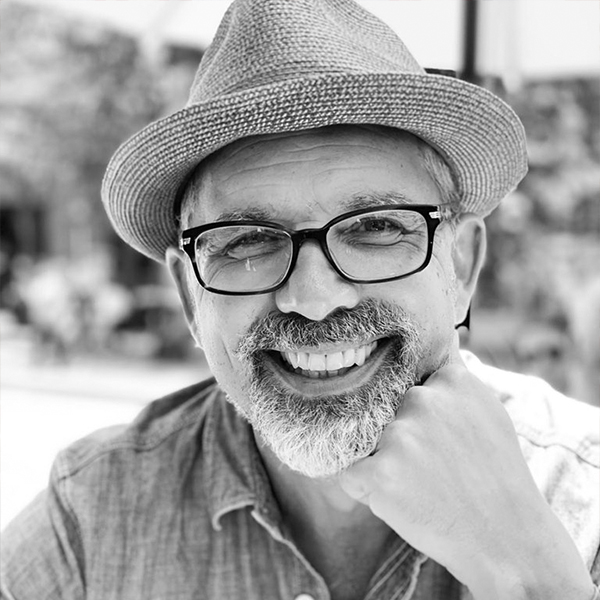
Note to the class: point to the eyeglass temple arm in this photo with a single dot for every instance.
(466, 322)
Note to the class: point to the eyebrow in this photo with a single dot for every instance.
(355, 202)
(251, 213)
(368, 200)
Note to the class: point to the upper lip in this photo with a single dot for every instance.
(325, 348)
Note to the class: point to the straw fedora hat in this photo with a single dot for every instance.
(286, 65)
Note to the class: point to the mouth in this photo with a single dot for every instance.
(336, 371)
(332, 364)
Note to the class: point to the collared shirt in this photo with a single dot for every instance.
(178, 506)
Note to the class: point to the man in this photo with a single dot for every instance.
(328, 232)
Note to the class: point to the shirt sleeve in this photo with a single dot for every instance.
(596, 575)
(42, 555)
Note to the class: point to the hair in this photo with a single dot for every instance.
(443, 176)
(433, 162)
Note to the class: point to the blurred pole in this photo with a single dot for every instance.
(470, 19)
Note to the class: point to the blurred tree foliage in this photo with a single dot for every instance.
(540, 288)
(546, 236)
(70, 94)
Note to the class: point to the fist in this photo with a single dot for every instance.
(449, 477)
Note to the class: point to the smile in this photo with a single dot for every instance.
(333, 371)
(332, 364)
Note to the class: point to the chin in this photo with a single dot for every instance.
(321, 434)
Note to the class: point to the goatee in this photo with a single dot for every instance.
(320, 437)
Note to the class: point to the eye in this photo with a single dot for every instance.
(241, 243)
(373, 230)
(254, 244)
(378, 225)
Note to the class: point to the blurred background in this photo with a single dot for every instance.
(90, 331)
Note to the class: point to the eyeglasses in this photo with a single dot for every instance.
(371, 245)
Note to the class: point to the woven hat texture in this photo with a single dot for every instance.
(289, 65)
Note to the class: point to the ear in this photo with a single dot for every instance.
(178, 268)
(468, 256)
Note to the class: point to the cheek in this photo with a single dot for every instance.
(221, 321)
(433, 307)
(428, 297)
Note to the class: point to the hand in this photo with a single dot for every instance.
(449, 477)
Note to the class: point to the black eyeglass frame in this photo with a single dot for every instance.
(434, 215)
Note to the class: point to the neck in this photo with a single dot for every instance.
(340, 537)
(319, 507)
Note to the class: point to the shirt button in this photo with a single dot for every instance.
(304, 597)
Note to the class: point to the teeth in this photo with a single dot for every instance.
(312, 364)
(317, 362)
(349, 356)
(302, 360)
(360, 356)
(335, 361)
(293, 358)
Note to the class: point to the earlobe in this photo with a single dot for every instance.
(468, 257)
(177, 264)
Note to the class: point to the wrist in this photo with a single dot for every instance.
(531, 587)
(555, 573)
(537, 560)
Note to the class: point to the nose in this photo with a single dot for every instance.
(314, 288)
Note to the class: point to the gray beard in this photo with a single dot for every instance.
(320, 437)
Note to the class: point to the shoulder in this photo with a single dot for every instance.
(542, 415)
(159, 425)
(110, 492)
(560, 440)
(150, 461)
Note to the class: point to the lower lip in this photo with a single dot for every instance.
(313, 388)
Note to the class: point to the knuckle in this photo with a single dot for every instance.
(385, 473)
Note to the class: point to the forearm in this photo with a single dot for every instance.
(533, 587)
(548, 567)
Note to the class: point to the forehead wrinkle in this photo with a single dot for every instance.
(303, 143)
(276, 164)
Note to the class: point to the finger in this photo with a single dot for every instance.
(454, 358)
(356, 481)
(446, 374)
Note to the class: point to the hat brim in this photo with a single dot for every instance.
(478, 134)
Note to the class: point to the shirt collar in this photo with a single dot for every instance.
(235, 478)
(235, 474)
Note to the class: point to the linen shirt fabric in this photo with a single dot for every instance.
(178, 505)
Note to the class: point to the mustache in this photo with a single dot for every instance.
(369, 320)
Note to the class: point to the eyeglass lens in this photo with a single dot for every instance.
(368, 247)
(241, 258)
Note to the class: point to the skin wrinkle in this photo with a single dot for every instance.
(233, 153)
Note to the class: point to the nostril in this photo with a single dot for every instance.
(313, 306)
(314, 288)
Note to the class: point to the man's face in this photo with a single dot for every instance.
(354, 348)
